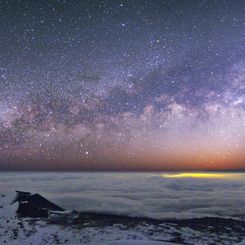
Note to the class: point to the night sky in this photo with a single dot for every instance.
(121, 85)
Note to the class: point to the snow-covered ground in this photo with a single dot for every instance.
(23, 231)
(241, 243)
(137, 242)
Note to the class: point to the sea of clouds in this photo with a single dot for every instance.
(135, 194)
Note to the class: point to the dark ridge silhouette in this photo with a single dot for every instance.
(34, 205)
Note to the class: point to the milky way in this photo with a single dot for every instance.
(134, 84)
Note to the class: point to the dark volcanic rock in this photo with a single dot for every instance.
(34, 205)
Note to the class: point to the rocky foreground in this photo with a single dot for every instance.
(27, 218)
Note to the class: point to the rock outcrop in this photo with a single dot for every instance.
(34, 205)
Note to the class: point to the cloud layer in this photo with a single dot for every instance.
(137, 194)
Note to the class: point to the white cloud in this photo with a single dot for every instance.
(137, 194)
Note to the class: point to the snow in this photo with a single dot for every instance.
(27, 231)
(6, 206)
(241, 243)
(136, 242)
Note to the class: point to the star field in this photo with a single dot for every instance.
(137, 84)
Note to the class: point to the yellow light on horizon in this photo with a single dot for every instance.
(199, 175)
